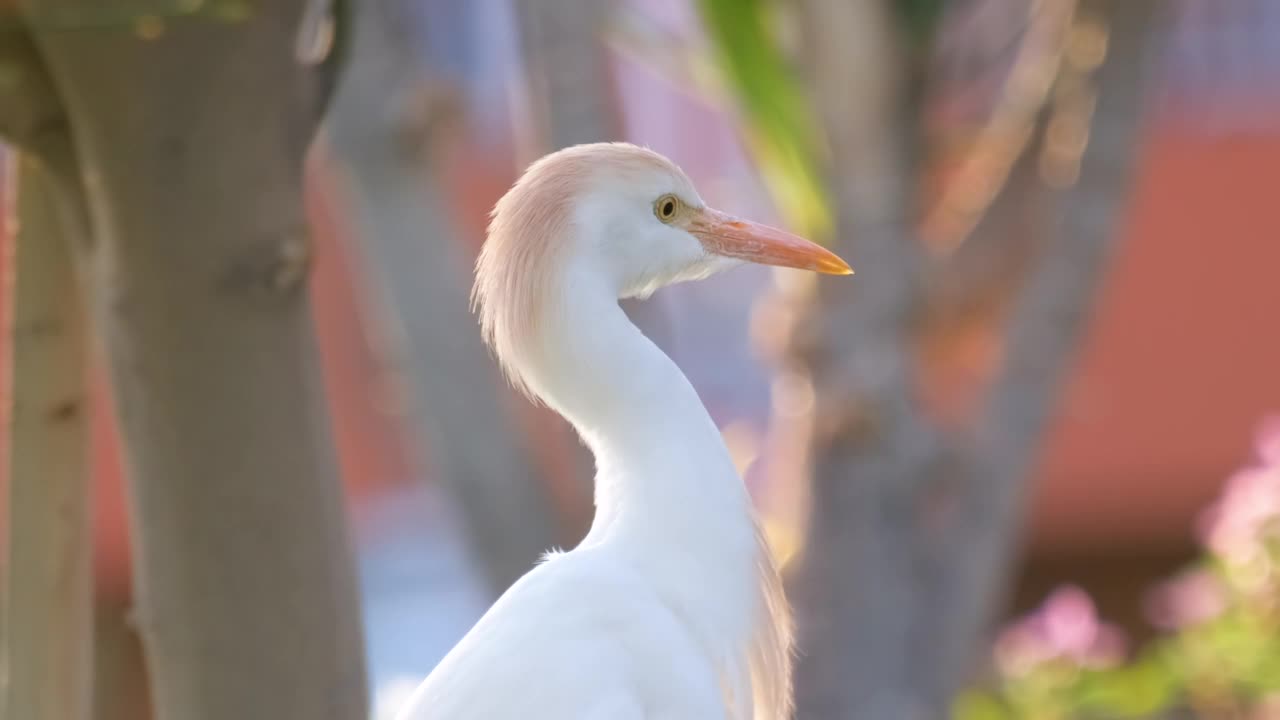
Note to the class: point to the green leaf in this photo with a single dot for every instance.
(1132, 691)
(781, 130)
(975, 705)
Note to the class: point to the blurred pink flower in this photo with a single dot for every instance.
(1269, 440)
(1188, 599)
(1065, 627)
(1249, 507)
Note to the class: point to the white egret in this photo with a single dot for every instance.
(671, 608)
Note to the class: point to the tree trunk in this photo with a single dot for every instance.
(192, 132)
(913, 523)
(857, 579)
(48, 646)
(387, 122)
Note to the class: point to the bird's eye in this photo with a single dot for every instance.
(665, 208)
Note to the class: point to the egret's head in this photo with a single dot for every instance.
(626, 215)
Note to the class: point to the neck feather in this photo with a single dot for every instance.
(668, 498)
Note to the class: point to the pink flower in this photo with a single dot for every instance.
(1189, 599)
(1268, 441)
(1249, 507)
(1066, 627)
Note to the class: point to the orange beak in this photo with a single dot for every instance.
(729, 236)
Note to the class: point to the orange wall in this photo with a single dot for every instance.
(1183, 359)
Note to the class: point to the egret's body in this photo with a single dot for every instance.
(671, 606)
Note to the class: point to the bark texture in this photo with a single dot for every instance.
(191, 133)
(48, 643)
(48, 625)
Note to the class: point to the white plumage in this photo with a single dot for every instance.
(671, 607)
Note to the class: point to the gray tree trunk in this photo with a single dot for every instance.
(387, 122)
(912, 525)
(48, 645)
(191, 138)
(46, 651)
(871, 450)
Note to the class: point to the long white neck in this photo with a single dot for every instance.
(665, 481)
(668, 498)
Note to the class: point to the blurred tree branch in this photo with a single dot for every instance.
(991, 156)
(389, 121)
(1050, 314)
(190, 134)
(914, 518)
(48, 643)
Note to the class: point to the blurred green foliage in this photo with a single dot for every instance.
(1219, 656)
(781, 129)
